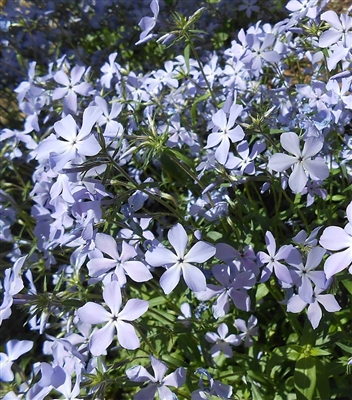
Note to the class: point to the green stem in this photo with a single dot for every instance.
(276, 294)
(299, 211)
(194, 177)
(194, 51)
(159, 200)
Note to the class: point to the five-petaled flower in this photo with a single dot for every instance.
(222, 341)
(93, 313)
(224, 132)
(159, 382)
(336, 238)
(181, 263)
(301, 161)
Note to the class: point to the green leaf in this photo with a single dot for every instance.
(72, 303)
(156, 301)
(348, 285)
(214, 236)
(337, 197)
(256, 394)
(194, 106)
(323, 387)
(186, 55)
(305, 377)
(162, 316)
(262, 291)
(316, 352)
(180, 156)
(173, 361)
(348, 349)
(295, 347)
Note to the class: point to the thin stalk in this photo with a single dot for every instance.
(299, 211)
(188, 172)
(194, 51)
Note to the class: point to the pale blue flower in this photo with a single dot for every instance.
(93, 313)
(335, 238)
(180, 263)
(301, 161)
(159, 382)
(14, 348)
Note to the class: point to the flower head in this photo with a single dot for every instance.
(301, 161)
(114, 319)
(181, 263)
(159, 382)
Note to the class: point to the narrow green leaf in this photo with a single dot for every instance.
(72, 303)
(181, 156)
(348, 285)
(59, 283)
(337, 197)
(316, 352)
(305, 378)
(173, 361)
(256, 394)
(323, 387)
(262, 291)
(156, 301)
(186, 55)
(162, 316)
(214, 236)
(194, 106)
(348, 349)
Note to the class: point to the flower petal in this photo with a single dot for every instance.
(92, 313)
(270, 243)
(213, 140)
(329, 302)
(200, 252)
(298, 178)
(282, 272)
(112, 297)
(281, 162)
(159, 368)
(147, 393)
(176, 378)
(139, 374)
(137, 271)
(335, 238)
(337, 262)
(98, 266)
(178, 239)
(222, 151)
(66, 128)
(219, 119)
(317, 168)
(305, 291)
(314, 257)
(311, 147)
(133, 309)
(295, 304)
(107, 244)
(127, 336)
(62, 78)
(15, 348)
(165, 393)
(171, 278)
(194, 278)
(101, 339)
(290, 142)
(160, 256)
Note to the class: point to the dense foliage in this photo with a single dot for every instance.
(176, 213)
